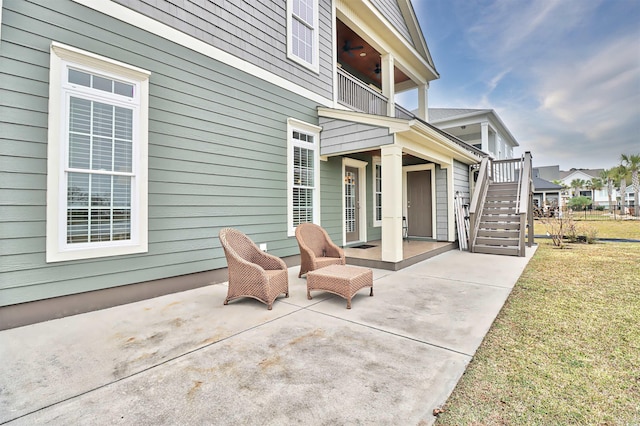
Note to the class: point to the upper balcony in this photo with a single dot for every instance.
(355, 94)
(375, 61)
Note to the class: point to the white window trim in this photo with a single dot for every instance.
(57, 248)
(375, 161)
(315, 64)
(301, 126)
(362, 194)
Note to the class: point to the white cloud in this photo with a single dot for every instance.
(595, 95)
(513, 30)
(564, 75)
(493, 83)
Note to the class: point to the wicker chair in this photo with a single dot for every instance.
(252, 272)
(316, 248)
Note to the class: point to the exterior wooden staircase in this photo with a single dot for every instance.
(499, 228)
(501, 208)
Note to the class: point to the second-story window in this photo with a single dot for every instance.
(302, 32)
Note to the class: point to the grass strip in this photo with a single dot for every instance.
(565, 349)
(606, 228)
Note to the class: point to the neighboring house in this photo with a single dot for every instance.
(481, 128)
(134, 130)
(629, 197)
(545, 193)
(599, 197)
(549, 173)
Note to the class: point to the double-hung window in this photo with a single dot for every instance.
(97, 156)
(303, 174)
(302, 32)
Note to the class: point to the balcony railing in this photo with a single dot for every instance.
(403, 113)
(355, 94)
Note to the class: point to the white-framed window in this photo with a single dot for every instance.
(302, 32)
(377, 191)
(97, 156)
(303, 174)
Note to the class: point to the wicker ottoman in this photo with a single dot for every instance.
(343, 280)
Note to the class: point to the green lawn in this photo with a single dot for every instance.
(565, 349)
(606, 228)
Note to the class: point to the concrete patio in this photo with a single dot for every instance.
(185, 358)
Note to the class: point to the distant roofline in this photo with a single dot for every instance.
(471, 112)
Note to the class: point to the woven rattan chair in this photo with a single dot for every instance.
(316, 248)
(252, 272)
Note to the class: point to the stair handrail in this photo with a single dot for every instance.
(477, 201)
(524, 203)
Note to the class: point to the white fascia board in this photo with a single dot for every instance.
(152, 26)
(364, 15)
(410, 129)
(457, 152)
(393, 124)
(501, 127)
(468, 115)
(414, 28)
(419, 149)
(478, 116)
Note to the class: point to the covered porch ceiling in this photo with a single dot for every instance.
(358, 23)
(356, 56)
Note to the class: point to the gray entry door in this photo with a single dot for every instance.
(419, 204)
(351, 204)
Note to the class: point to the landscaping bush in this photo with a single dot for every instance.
(560, 229)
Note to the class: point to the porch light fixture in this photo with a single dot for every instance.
(363, 54)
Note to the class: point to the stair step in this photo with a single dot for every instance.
(497, 242)
(501, 203)
(499, 225)
(509, 251)
(499, 233)
(491, 190)
(501, 196)
(500, 218)
(504, 185)
(489, 209)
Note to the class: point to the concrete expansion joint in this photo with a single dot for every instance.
(394, 334)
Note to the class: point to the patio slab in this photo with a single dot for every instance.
(186, 358)
(305, 368)
(454, 315)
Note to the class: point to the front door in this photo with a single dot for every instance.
(419, 204)
(351, 204)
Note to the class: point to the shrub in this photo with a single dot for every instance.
(560, 229)
(557, 228)
(591, 234)
(579, 203)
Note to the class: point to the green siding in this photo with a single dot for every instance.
(217, 154)
(331, 197)
(442, 206)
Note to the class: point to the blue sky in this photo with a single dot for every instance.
(563, 75)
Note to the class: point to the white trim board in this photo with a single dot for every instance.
(145, 23)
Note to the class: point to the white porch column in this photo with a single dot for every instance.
(423, 101)
(484, 132)
(388, 83)
(391, 203)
